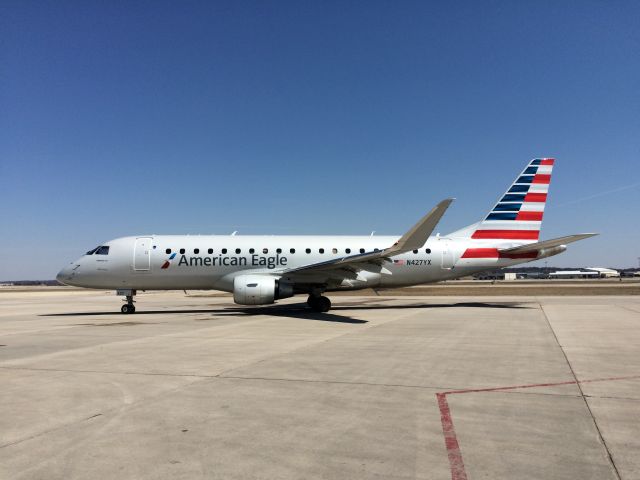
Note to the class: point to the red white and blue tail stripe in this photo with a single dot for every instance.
(518, 214)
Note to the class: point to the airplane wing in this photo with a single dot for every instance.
(349, 266)
(556, 242)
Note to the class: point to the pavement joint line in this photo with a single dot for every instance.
(626, 307)
(586, 402)
(454, 453)
(452, 446)
(344, 382)
(103, 413)
(313, 344)
(506, 390)
(275, 379)
(330, 382)
(159, 374)
(143, 338)
(50, 430)
(204, 380)
(9, 367)
(606, 397)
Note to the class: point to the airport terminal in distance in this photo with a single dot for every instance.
(224, 372)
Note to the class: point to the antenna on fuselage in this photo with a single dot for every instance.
(373, 232)
(234, 233)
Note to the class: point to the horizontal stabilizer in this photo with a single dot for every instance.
(556, 242)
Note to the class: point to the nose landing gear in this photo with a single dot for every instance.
(128, 307)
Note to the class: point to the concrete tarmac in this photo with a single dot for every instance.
(380, 387)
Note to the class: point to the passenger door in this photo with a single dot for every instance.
(142, 254)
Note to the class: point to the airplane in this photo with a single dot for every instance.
(259, 270)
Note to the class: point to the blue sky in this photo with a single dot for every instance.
(121, 118)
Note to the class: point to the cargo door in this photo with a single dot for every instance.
(142, 254)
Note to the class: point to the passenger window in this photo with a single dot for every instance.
(238, 250)
(428, 250)
(278, 250)
(347, 250)
(102, 251)
(252, 250)
(196, 251)
(182, 251)
(265, 250)
(167, 251)
(362, 250)
(308, 250)
(292, 250)
(210, 251)
(334, 250)
(224, 250)
(415, 251)
(321, 250)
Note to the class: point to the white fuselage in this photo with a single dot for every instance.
(212, 261)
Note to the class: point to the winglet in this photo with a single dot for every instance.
(420, 232)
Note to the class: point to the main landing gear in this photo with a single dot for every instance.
(128, 307)
(319, 303)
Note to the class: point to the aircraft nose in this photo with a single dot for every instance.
(62, 274)
(65, 275)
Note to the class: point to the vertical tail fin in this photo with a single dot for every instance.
(518, 213)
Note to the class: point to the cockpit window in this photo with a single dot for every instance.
(91, 252)
(102, 250)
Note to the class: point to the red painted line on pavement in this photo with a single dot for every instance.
(450, 440)
(456, 463)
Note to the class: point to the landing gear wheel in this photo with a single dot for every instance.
(319, 304)
(127, 308)
(312, 302)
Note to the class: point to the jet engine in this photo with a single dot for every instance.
(259, 289)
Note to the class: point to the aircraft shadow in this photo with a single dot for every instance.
(433, 305)
(300, 310)
(292, 310)
(115, 312)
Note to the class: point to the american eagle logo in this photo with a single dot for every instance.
(167, 263)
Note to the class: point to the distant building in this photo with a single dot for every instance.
(605, 272)
(532, 275)
(630, 273)
(568, 274)
(489, 276)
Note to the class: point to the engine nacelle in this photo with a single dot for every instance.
(259, 289)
